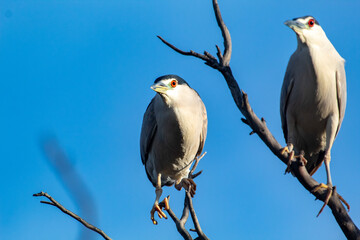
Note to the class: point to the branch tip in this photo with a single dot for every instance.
(245, 121)
(70, 213)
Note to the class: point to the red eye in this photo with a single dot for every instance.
(173, 83)
(311, 22)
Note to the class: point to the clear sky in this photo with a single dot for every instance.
(82, 70)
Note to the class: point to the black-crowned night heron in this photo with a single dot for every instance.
(173, 134)
(313, 97)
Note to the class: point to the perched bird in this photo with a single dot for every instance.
(173, 134)
(313, 97)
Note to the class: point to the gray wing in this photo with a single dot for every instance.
(284, 98)
(203, 131)
(341, 93)
(148, 131)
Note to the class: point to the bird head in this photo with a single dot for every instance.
(172, 88)
(307, 29)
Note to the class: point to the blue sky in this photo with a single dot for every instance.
(81, 71)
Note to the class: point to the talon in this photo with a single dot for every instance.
(288, 149)
(343, 200)
(152, 217)
(283, 150)
(292, 156)
(291, 160)
(161, 214)
(165, 203)
(188, 184)
(302, 159)
(328, 195)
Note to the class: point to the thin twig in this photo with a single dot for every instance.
(197, 160)
(190, 53)
(259, 126)
(196, 222)
(71, 214)
(225, 60)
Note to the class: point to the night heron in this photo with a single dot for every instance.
(313, 97)
(173, 134)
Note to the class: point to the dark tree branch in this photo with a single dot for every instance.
(180, 223)
(225, 60)
(259, 127)
(71, 214)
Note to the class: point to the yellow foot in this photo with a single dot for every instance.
(289, 150)
(165, 203)
(291, 160)
(328, 195)
(161, 214)
(285, 150)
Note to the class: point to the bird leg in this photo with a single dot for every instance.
(331, 128)
(329, 185)
(188, 184)
(156, 207)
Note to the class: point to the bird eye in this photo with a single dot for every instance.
(173, 83)
(311, 22)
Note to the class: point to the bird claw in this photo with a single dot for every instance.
(287, 149)
(328, 195)
(292, 156)
(165, 203)
(161, 214)
(343, 200)
(188, 184)
(291, 160)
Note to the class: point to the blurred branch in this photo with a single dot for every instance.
(259, 126)
(72, 181)
(54, 203)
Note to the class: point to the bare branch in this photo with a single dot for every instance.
(46, 202)
(190, 53)
(225, 60)
(198, 229)
(259, 126)
(71, 214)
(180, 223)
(218, 53)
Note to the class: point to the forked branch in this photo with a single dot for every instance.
(54, 203)
(259, 127)
(188, 207)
